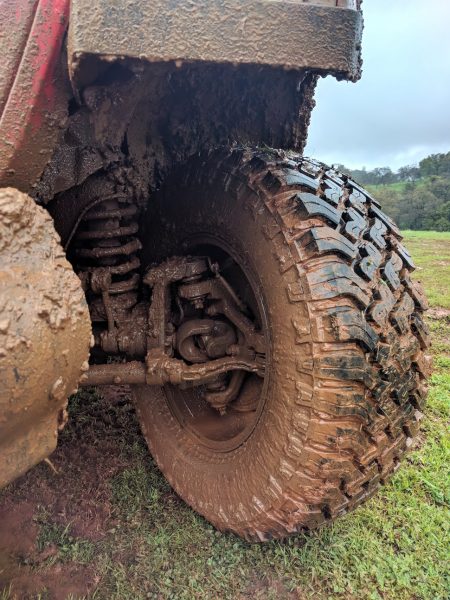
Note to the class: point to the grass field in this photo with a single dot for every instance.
(431, 252)
(101, 522)
(398, 186)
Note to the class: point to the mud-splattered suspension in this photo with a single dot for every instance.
(183, 317)
(105, 251)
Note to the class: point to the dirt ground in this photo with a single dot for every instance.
(73, 487)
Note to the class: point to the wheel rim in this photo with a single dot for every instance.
(203, 423)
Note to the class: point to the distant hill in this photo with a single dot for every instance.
(416, 197)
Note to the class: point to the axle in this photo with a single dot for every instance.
(162, 370)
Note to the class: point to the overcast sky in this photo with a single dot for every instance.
(400, 110)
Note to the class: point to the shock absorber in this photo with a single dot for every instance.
(105, 249)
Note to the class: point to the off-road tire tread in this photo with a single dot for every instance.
(367, 334)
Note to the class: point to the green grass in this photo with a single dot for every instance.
(398, 186)
(395, 547)
(5, 594)
(65, 548)
(431, 254)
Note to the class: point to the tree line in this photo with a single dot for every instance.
(416, 196)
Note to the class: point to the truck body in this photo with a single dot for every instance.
(102, 106)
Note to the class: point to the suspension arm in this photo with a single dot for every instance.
(160, 369)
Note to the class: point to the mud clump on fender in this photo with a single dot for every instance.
(44, 334)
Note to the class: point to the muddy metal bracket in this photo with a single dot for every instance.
(323, 36)
(234, 345)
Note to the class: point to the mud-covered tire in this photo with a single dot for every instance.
(347, 373)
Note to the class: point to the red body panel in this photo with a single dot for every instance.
(34, 87)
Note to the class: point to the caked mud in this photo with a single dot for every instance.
(44, 334)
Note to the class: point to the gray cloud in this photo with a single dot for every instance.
(400, 111)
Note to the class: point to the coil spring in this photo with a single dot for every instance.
(105, 251)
